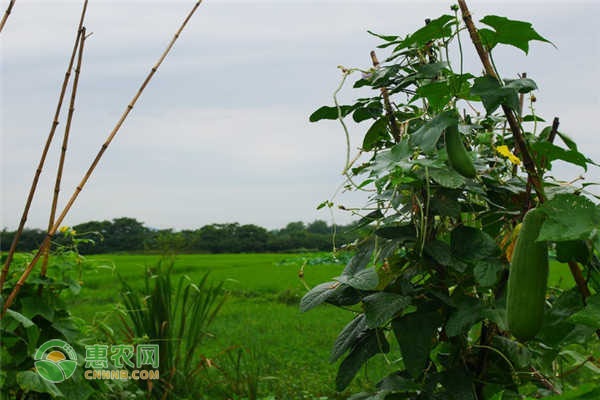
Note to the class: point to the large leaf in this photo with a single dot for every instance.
(361, 258)
(348, 337)
(401, 233)
(590, 315)
(317, 295)
(493, 95)
(447, 177)
(458, 383)
(377, 133)
(415, 333)
(438, 94)
(31, 382)
(327, 112)
(371, 343)
(550, 152)
(428, 135)
(372, 109)
(511, 32)
(569, 217)
(435, 29)
(472, 244)
(486, 271)
(383, 306)
(461, 320)
(365, 279)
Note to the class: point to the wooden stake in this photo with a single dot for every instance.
(396, 133)
(10, 299)
(512, 120)
(63, 153)
(40, 166)
(6, 14)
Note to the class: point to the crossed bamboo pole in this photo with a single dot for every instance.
(63, 152)
(10, 299)
(40, 167)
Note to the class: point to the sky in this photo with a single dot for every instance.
(221, 134)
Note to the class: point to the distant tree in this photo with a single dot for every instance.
(319, 227)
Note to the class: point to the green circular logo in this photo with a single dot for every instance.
(55, 360)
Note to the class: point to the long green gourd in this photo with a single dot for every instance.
(458, 156)
(527, 280)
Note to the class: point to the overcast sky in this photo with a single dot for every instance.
(222, 134)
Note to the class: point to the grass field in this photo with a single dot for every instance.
(287, 349)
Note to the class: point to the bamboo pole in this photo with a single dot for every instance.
(40, 166)
(515, 128)
(388, 105)
(6, 14)
(79, 188)
(513, 122)
(63, 153)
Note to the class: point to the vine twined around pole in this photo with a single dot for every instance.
(10, 299)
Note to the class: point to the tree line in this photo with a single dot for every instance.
(130, 235)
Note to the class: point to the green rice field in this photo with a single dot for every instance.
(285, 349)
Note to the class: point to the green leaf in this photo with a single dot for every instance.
(569, 217)
(493, 95)
(317, 295)
(327, 112)
(440, 251)
(436, 29)
(366, 279)
(550, 152)
(458, 383)
(516, 352)
(447, 177)
(511, 32)
(531, 118)
(373, 109)
(377, 133)
(573, 250)
(445, 203)
(396, 382)
(427, 135)
(370, 344)
(437, 94)
(589, 391)
(32, 306)
(361, 259)
(68, 327)
(486, 272)
(415, 333)
(472, 244)
(348, 337)
(31, 382)
(402, 233)
(23, 320)
(522, 85)
(463, 318)
(387, 38)
(383, 306)
(590, 315)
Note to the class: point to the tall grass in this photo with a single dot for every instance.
(176, 318)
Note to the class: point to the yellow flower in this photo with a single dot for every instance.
(505, 152)
(63, 229)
